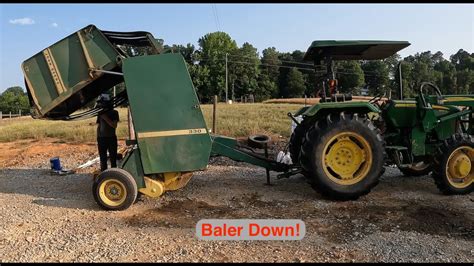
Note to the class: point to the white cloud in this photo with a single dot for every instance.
(54, 25)
(22, 21)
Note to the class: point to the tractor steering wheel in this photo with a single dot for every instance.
(422, 97)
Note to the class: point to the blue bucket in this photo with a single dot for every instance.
(55, 164)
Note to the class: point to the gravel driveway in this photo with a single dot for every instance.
(48, 218)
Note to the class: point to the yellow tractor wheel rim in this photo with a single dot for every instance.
(459, 170)
(112, 192)
(347, 158)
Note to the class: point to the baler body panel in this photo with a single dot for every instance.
(62, 78)
(169, 124)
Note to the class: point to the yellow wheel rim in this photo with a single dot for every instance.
(112, 192)
(459, 170)
(347, 158)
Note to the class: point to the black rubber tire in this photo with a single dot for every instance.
(440, 163)
(409, 171)
(317, 137)
(296, 140)
(258, 141)
(139, 197)
(125, 178)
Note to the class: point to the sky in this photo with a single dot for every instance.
(27, 29)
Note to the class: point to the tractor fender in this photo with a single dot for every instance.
(330, 107)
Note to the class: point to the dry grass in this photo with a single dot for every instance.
(236, 120)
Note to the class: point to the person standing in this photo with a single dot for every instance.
(106, 133)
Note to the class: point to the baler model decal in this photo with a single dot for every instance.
(172, 133)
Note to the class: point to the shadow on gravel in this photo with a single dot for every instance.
(68, 191)
(339, 222)
(402, 215)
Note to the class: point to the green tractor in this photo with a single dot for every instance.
(342, 146)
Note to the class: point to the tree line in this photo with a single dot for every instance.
(275, 74)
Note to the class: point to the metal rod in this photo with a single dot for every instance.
(131, 130)
(266, 169)
(400, 80)
(226, 79)
(214, 108)
(107, 72)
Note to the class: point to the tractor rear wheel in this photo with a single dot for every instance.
(115, 189)
(296, 140)
(454, 171)
(343, 156)
(416, 169)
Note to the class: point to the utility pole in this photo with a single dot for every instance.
(233, 96)
(226, 79)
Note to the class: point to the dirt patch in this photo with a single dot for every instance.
(400, 216)
(181, 214)
(37, 153)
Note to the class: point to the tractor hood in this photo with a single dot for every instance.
(353, 50)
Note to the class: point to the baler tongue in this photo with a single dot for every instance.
(72, 72)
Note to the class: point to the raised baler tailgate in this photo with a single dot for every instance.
(169, 125)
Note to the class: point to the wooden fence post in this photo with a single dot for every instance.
(214, 107)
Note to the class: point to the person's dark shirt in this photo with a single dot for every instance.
(103, 128)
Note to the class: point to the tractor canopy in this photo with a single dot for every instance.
(353, 50)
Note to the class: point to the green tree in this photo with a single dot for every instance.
(350, 77)
(211, 55)
(463, 60)
(295, 84)
(376, 76)
(285, 58)
(269, 73)
(188, 52)
(13, 100)
(446, 76)
(464, 64)
(244, 70)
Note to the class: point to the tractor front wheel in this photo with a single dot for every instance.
(343, 156)
(115, 189)
(454, 171)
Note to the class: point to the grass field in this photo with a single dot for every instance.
(236, 120)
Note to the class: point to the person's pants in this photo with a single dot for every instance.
(107, 144)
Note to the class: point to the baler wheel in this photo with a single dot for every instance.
(343, 156)
(115, 189)
(454, 171)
